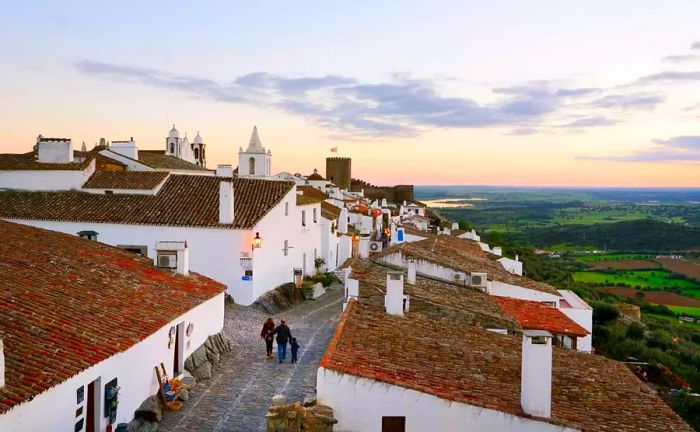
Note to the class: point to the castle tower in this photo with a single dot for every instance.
(198, 149)
(172, 143)
(255, 161)
(338, 171)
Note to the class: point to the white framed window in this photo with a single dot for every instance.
(286, 247)
(315, 217)
(303, 218)
(286, 209)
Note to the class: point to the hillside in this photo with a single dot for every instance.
(634, 235)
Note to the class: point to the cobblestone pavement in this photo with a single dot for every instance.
(242, 385)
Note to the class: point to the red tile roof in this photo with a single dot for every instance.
(465, 255)
(330, 211)
(184, 200)
(29, 162)
(159, 160)
(315, 176)
(533, 315)
(68, 303)
(125, 179)
(474, 366)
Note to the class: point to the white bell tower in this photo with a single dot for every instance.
(255, 161)
(172, 143)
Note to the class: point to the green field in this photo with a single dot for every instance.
(612, 257)
(686, 310)
(643, 278)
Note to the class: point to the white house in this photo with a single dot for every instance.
(79, 346)
(407, 372)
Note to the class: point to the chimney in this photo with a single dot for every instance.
(224, 170)
(497, 251)
(173, 255)
(54, 150)
(455, 225)
(536, 373)
(2, 365)
(343, 221)
(352, 290)
(126, 148)
(411, 278)
(394, 299)
(226, 202)
(364, 243)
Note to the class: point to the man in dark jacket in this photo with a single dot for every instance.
(283, 336)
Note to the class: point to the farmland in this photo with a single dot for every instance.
(645, 279)
(624, 265)
(658, 297)
(684, 267)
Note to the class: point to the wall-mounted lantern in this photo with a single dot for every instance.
(190, 329)
(257, 241)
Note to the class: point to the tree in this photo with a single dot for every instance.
(635, 330)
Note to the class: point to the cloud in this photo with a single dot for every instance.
(400, 107)
(590, 122)
(639, 100)
(679, 149)
(695, 45)
(669, 76)
(523, 131)
(681, 58)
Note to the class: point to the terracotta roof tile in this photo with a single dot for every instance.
(184, 200)
(125, 179)
(159, 160)
(330, 211)
(28, 161)
(465, 255)
(311, 191)
(475, 366)
(57, 281)
(533, 315)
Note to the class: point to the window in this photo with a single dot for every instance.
(172, 147)
(251, 166)
(286, 247)
(303, 218)
(286, 209)
(88, 235)
(137, 249)
(196, 153)
(394, 424)
(315, 218)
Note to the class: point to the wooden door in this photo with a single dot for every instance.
(393, 424)
(90, 414)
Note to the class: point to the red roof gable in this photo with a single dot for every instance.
(68, 303)
(533, 315)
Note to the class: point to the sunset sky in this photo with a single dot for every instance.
(597, 93)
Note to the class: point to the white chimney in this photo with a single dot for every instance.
(352, 291)
(224, 170)
(126, 148)
(54, 150)
(173, 255)
(411, 278)
(226, 202)
(2, 365)
(536, 373)
(343, 221)
(455, 225)
(497, 250)
(517, 258)
(364, 243)
(384, 203)
(394, 299)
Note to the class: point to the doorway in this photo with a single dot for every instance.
(178, 356)
(92, 414)
(394, 424)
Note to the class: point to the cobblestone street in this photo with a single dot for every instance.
(242, 385)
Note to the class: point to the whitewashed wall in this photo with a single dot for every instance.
(512, 266)
(359, 404)
(54, 410)
(330, 244)
(582, 314)
(507, 290)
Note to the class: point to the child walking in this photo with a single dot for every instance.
(295, 349)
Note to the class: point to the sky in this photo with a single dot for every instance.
(506, 92)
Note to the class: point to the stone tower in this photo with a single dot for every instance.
(338, 171)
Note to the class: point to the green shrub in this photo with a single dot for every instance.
(604, 312)
(635, 331)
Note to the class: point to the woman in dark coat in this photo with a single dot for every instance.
(267, 333)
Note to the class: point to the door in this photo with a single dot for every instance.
(178, 355)
(92, 417)
(393, 424)
(303, 267)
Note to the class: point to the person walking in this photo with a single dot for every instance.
(295, 349)
(267, 333)
(283, 336)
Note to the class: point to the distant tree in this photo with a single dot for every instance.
(635, 330)
(639, 294)
(604, 312)
(465, 225)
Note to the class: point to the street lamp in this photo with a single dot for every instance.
(257, 241)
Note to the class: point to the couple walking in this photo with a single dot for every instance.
(284, 336)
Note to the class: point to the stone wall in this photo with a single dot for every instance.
(296, 417)
(394, 194)
(201, 361)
